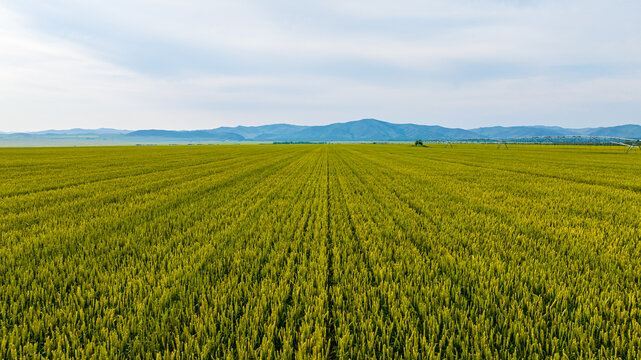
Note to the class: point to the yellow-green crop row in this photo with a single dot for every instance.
(321, 252)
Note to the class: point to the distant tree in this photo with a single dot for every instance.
(418, 142)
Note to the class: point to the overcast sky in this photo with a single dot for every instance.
(203, 64)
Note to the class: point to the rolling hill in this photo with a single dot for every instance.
(354, 131)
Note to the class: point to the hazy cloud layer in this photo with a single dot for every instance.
(202, 64)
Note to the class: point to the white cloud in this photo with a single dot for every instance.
(55, 72)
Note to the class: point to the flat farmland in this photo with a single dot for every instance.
(320, 251)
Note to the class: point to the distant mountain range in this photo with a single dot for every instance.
(357, 131)
(511, 132)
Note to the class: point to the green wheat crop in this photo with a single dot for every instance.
(320, 251)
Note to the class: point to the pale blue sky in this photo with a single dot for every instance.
(203, 64)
